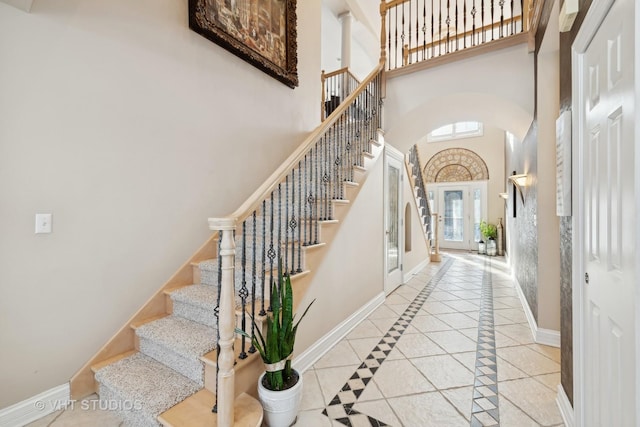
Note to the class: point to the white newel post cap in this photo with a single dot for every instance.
(219, 224)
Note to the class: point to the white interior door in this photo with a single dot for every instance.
(394, 230)
(607, 212)
(460, 207)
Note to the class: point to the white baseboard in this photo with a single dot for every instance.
(543, 336)
(415, 270)
(548, 337)
(35, 407)
(566, 410)
(311, 355)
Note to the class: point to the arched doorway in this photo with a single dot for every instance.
(456, 180)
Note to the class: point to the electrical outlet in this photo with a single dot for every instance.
(43, 223)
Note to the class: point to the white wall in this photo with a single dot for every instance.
(496, 88)
(352, 270)
(548, 222)
(132, 130)
(362, 60)
(490, 147)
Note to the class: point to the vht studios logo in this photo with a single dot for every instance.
(90, 405)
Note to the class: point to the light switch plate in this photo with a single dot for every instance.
(43, 223)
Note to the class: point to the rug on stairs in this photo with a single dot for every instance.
(142, 388)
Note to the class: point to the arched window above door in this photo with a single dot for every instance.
(455, 130)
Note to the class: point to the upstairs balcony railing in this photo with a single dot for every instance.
(420, 30)
(336, 87)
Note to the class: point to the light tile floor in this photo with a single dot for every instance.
(416, 360)
(452, 347)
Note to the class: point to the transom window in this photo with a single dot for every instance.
(455, 131)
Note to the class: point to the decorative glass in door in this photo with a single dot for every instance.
(453, 216)
(477, 213)
(393, 236)
(432, 209)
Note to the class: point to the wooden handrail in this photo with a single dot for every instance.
(413, 50)
(394, 3)
(347, 78)
(336, 72)
(271, 183)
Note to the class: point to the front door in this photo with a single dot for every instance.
(607, 212)
(393, 218)
(460, 209)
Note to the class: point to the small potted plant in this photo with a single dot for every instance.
(489, 231)
(280, 386)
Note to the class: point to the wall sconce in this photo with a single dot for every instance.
(521, 181)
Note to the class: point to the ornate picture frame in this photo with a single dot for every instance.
(262, 32)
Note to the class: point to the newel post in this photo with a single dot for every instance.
(383, 31)
(226, 319)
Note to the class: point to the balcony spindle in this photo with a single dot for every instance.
(492, 17)
(243, 293)
(439, 27)
(300, 223)
(272, 250)
(473, 27)
(457, 33)
(417, 27)
(424, 30)
(264, 255)
(501, 29)
(464, 23)
(484, 32)
(254, 233)
(292, 224)
(396, 40)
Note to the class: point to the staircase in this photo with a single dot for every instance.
(179, 356)
(419, 192)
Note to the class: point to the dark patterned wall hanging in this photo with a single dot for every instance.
(262, 32)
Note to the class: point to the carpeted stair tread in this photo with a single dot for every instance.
(185, 337)
(152, 386)
(199, 295)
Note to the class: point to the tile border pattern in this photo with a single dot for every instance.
(340, 408)
(485, 408)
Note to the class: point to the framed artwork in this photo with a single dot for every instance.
(563, 164)
(262, 32)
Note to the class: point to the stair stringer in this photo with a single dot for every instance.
(126, 343)
(83, 382)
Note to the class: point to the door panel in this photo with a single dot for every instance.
(608, 209)
(394, 229)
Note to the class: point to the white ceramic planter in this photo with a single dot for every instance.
(280, 407)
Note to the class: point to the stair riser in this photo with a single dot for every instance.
(192, 312)
(190, 368)
(129, 411)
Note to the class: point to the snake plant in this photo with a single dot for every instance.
(276, 345)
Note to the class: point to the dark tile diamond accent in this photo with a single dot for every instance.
(486, 374)
(376, 358)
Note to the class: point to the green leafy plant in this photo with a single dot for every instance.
(277, 345)
(489, 231)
